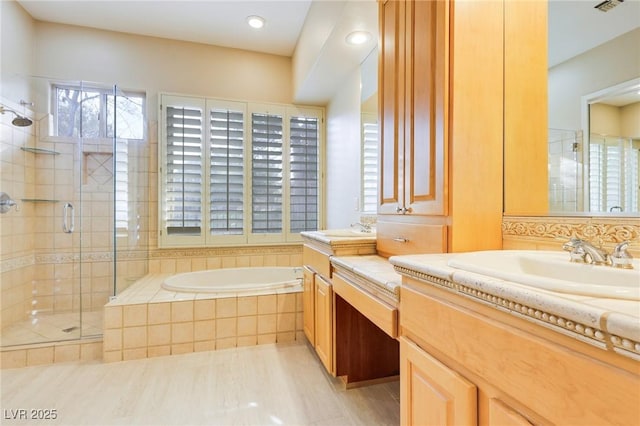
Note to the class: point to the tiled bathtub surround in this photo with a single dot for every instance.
(147, 321)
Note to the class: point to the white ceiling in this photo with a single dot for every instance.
(575, 26)
(217, 22)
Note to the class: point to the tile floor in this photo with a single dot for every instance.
(281, 384)
(52, 328)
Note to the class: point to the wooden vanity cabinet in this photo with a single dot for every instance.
(308, 305)
(441, 105)
(324, 335)
(463, 362)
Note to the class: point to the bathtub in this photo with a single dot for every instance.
(239, 281)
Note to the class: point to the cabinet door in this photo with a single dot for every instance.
(324, 322)
(390, 98)
(501, 414)
(308, 305)
(431, 393)
(425, 106)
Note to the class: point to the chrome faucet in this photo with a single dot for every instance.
(582, 251)
(620, 257)
(364, 227)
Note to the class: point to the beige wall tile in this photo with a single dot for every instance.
(130, 354)
(226, 327)
(267, 323)
(227, 307)
(182, 332)
(214, 263)
(257, 261)
(243, 261)
(228, 262)
(283, 260)
(159, 334)
(226, 343)
(39, 356)
(264, 339)
(134, 315)
(247, 326)
(247, 306)
(154, 351)
(159, 313)
(247, 341)
(14, 359)
(66, 353)
(267, 304)
(204, 330)
(182, 348)
(182, 311)
(286, 302)
(134, 337)
(204, 309)
(112, 339)
(209, 345)
(183, 265)
(91, 351)
(112, 356)
(288, 336)
(168, 266)
(286, 322)
(198, 264)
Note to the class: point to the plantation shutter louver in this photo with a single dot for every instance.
(121, 177)
(266, 171)
(183, 184)
(370, 142)
(303, 133)
(226, 172)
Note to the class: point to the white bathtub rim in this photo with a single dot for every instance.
(171, 283)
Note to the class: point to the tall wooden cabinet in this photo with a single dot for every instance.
(441, 125)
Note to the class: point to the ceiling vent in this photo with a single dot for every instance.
(607, 5)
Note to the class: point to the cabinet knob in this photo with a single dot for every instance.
(403, 210)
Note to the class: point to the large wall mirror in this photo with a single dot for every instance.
(594, 108)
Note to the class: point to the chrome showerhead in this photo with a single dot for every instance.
(19, 121)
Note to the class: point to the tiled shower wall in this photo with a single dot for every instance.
(44, 270)
(566, 192)
(17, 177)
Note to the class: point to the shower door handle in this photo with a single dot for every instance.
(67, 225)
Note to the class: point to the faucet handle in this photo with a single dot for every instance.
(620, 257)
(576, 250)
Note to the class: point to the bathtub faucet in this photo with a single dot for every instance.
(364, 227)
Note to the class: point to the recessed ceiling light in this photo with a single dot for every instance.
(358, 37)
(255, 21)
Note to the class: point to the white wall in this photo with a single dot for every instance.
(604, 66)
(160, 65)
(343, 154)
(17, 47)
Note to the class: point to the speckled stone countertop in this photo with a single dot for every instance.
(612, 324)
(336, 241)
(374, 273)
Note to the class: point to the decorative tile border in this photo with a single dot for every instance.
(585, 333)
(11, 264)
(225, 251)
(607, 230)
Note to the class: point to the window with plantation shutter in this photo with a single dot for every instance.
(183, 169)
(370, 143)
(237, 173)
(226, 186)
(121, 177)
(266, 173)
(303, 173)
(613, 174)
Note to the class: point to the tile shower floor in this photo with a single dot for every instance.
(52, 328)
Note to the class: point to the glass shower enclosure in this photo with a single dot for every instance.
(77, 189)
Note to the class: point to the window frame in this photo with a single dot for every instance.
(206, 239)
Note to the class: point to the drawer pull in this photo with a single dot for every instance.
(400, 240)
(403, 210)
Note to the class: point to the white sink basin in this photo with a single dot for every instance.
(552, 270)
(347, 233)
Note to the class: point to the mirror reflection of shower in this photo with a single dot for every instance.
(19, 120)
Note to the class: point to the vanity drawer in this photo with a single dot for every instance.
(408, 238)
(316, 260)
(378, 312)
